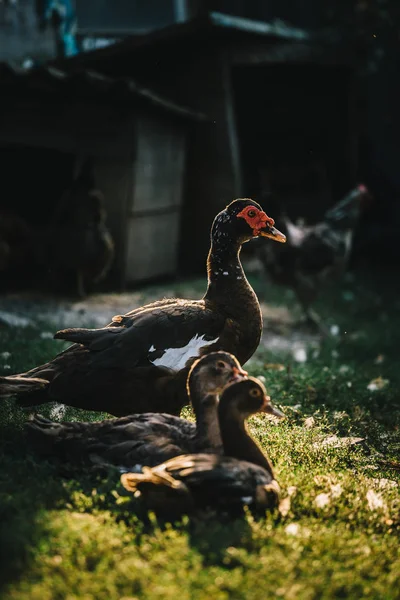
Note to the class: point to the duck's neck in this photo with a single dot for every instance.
(208, 435)
(238, 443)
(227, 283)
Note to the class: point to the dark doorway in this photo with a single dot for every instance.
(35, 179)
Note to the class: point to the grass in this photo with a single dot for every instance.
(338, 537)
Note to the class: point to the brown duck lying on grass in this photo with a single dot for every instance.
(243, 476)
(148, 438)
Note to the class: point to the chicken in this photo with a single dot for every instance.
(314, 254)
(79, 241)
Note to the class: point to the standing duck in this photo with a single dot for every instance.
(148, 438)
(140, 361)
(243, 476)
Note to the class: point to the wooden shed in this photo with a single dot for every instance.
(136, 141)
(282, 107)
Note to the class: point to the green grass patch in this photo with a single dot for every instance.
(75, 535)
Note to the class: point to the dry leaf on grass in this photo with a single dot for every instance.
(333, 441)
(383, 483)
(377, 384)
(325, 498)
(292, 529)
(322, 500)
(309, 422)
(300, 355)
(274, 366)
(379, 359)
(334, 329)
(322, 480)
(336, 490)
(285, 504)
(375, 501)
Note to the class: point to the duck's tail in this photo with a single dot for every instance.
(17, 384)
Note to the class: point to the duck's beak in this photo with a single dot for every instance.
(272, 410)
(273, 234)
(238, 374)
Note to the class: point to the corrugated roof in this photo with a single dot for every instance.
(52, 79)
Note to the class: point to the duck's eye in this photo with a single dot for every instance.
(251, 213)
(255, 392)
(221, 364)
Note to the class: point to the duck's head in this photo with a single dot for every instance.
(242, 220)
(247, 397)
(211, 373)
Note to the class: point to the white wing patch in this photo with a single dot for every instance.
(176, 358)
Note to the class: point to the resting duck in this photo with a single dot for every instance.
(148, 438)
(244, 476)
(140, 361)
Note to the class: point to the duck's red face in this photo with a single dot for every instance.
(257, 219)
(261, 223)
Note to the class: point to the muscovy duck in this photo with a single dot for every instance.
(140, 361)
(147, 438)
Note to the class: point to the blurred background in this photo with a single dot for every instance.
(126, 125)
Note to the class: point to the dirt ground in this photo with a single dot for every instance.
(51, 313)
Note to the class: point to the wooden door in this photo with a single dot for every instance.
(154, 216)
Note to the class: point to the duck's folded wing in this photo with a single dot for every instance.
(214, 480)
(167, 336)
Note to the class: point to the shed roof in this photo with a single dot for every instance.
(213, 20)
(87, 82)
(211, 26)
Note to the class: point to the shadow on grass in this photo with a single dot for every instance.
(26, 490)
(31, 488)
